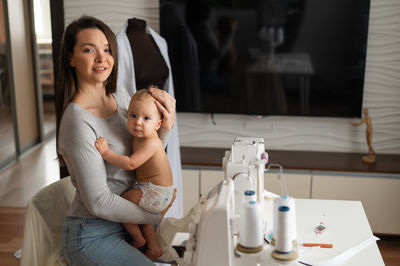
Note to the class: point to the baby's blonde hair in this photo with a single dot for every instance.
(144, 94)
(141, 94)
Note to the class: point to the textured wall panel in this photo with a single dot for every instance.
(113, 13)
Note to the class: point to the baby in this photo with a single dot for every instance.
(154, 189)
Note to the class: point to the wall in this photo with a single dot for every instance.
(23, 75)
(113, 13)
(381, 92)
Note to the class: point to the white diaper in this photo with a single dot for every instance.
(154, 198)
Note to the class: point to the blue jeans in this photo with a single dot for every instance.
(94, 241)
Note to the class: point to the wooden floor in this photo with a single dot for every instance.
(11, 233)
(18, 183)
(390, 249)
(37, 169)
(33, 171)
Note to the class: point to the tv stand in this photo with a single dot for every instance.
(301, 160)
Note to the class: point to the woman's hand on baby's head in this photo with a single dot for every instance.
(166, 105)
(101, 145)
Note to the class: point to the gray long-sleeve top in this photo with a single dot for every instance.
(98, 183)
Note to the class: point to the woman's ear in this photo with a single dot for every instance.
(71, 60)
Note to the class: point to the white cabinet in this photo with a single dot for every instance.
(298, 184)
(197, 182)
(209, 179)
(191, 188)
(380, 197)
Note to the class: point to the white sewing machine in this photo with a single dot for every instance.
(211, 226)
(245, 164)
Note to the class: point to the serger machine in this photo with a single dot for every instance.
(228, 226)
(212, 225)
(245, 164)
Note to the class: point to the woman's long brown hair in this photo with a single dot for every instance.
(66, 81)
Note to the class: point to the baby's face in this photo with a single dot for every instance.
(143, 117)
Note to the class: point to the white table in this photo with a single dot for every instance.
(347, 226)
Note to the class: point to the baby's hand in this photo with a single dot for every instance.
(101, 145)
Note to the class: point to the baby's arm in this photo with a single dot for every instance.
(132, 162)
(89, 175)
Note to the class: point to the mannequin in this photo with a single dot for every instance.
(150, 66)
(371, 158)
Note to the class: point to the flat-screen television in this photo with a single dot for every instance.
(267, 57)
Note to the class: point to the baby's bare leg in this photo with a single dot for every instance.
(153, 249)
(134, 196)
(137, 236)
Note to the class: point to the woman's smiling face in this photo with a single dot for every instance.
(92, 58)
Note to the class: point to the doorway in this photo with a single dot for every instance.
(8, 129)
(43, 37)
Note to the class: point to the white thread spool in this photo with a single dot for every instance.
(284, 234)
(249, 195)
(289, 202)
(250, 235)
(285, 230)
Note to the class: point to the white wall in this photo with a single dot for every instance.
(113, 13)
(381, 92)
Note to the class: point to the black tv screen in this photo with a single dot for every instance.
(267, 57)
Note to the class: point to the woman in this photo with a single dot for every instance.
(90, 106)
